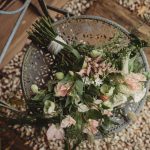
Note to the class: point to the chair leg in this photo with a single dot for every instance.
(44, 9)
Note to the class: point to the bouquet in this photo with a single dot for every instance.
(90, 83)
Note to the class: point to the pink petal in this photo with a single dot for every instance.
(51, 132)
(89, 70)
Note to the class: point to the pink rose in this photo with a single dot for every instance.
(133, 81)
(67, 122)
(62, 89)
(91, 127)
(55, 133)
(138, 76)
(135, 77)
(82, 72)
(88, 70)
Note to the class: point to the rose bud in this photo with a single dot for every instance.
(95, 53)
(71, 73)
(59, 75)
(34, 88)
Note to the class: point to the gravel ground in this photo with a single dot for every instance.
(135, 137)
(140, 7)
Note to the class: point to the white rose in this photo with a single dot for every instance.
(55, 47)
(82, 107)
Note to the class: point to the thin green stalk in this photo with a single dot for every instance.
(5, 105)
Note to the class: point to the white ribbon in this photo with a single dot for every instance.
(55, 47)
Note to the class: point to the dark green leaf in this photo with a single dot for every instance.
(87, 98)
(68, 101)
(94, 114)
(38, 97)
(48, 97)
(92, 90)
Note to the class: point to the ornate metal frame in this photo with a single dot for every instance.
(33, 53)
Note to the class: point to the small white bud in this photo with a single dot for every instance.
(59, 75)
(34, 88)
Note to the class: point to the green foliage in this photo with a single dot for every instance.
(94, 114)
(68, 62)
(79, 86)
(92, 90)
(87, 98)
(40, 96)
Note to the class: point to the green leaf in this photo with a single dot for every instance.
(69, 48)
(137, 65)
(79, 86)
(131, 64)
(105, 106)
(92, 90)
(87, 98)
(78, 65)
(50, 87)
(39, 96)
(94, 114)
(147, 74)
(68, 101)
(48, 97)
(67, 78)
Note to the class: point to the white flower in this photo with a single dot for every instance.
(49, 107)
(82, 107)
(67, 122)
(87, 81)
(119, 99)
(98, 82)
(97, 101)
(55, 47)
(139, 95)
